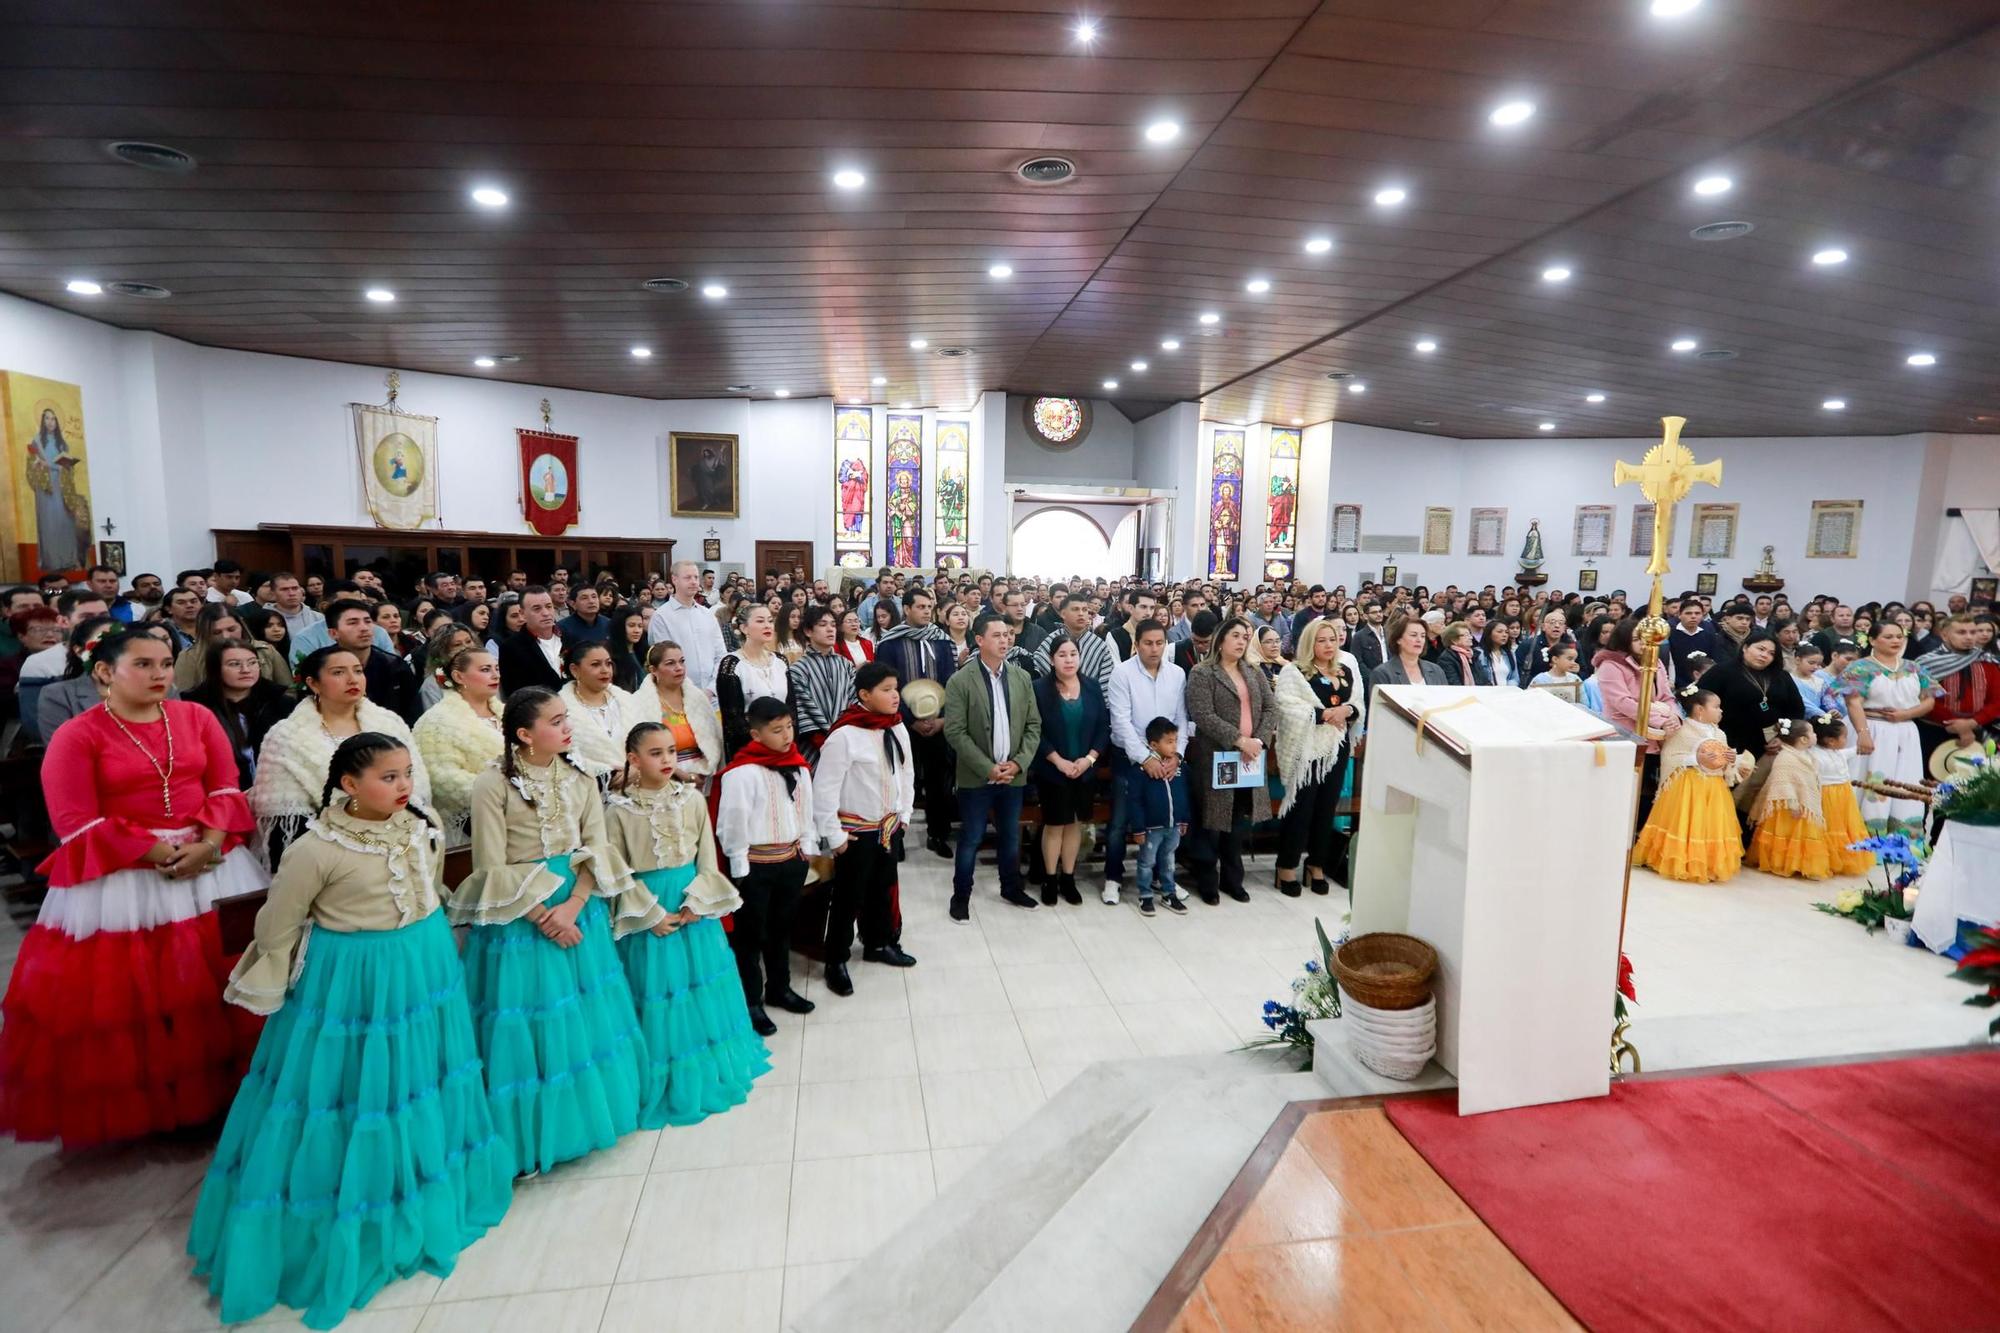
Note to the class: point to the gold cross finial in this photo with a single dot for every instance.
(1665, 476)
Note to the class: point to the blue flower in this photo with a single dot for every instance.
(1271, 1022)
(1311, 967)
(1272, 1006)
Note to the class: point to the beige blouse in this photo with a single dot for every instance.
(516, 825)
(655, 830)
(344, 874)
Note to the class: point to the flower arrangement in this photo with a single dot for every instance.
(1981, 967)
(1976, 800)
(1315, 995)
(1901, 858)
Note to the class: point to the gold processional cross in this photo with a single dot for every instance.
(1666, 475)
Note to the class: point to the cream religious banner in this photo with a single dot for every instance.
(398, 465)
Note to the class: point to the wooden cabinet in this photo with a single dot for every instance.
(401, 558)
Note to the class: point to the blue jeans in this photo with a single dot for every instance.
(1003, 803)
(1156, 861)
(1118, 827)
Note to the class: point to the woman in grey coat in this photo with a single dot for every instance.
(1222, 692)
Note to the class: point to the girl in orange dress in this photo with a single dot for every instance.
(1692, 834)
(1837, 801)
(1791, 838)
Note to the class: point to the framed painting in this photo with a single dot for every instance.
(1713, 534)
(1389, 573)
(702, 475)
(1835, 533)
(1586, 580)
(1437, 531)
(1983, 592)
(1489, 532)
(112, 554)
(1346, 529)
(1706, 584)
(711, 548)
(1591, 537)
(50, 527)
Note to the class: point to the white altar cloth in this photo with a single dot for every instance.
(1961, 883)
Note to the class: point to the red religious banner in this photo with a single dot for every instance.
(548, 481)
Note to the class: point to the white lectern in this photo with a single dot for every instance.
(1499, 836)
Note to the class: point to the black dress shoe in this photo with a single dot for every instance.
(1289, 887)
(1050, 887)
(788, 1000)
(938, 845)
(1070, 893)
(1242, 895)
(961, 909)
(1017, 898)
(1210, 896)
(837, 979)
(760, 1022)
(891, 955)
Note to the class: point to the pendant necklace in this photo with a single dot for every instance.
(166, 774)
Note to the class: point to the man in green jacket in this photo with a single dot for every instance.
(993, 726)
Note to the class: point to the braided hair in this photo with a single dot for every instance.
(524, 708)
(355, 756)
(633, 740)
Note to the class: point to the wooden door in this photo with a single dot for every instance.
(793, 558)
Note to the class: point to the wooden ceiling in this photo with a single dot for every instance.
(337, 145)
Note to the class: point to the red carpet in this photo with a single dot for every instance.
(1843, 1198)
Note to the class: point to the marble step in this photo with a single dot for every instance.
(1698, 1041)
(1072, 1221)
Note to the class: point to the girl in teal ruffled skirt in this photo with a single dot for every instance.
(361, 1147)
(703, 1053)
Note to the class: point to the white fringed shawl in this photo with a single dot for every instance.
(293, 763)
(1308, 749)
(701, 716)
(457, 745)
(597, 753)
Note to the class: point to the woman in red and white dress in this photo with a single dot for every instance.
(115, 1024)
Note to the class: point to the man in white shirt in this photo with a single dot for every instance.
(683, 619)
(225, 584)
(1145, 686)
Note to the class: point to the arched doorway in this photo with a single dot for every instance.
(1059, 542)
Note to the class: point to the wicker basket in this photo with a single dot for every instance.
(1386, 970)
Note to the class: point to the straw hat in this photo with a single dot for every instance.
(924, 698)
(1953, 763)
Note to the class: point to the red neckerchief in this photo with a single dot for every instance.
(755, 754)
(857, 716)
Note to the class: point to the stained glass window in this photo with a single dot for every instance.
(1281, 539)
(1225, 503)
(853, 465)
(954, 491)
(1058, 420)
(904, 500)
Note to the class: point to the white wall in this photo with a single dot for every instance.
(1166, 456)
(1104, 458)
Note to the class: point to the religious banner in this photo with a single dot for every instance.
(548, 481)
(853, 469)
(1225, 502)
(1437, 531)
(1713, 533)
(1488, 533)
(1835, 533)
(954, 492)
(1592, 534)
(1281, 540)
(45, 529)
(904, 498)
(398, 465)
(1345, 529)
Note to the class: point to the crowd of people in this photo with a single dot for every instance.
(588, 780)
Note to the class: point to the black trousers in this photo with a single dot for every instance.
(1219, 854)
(1307, 829)
(761, 930)
(937, 782)
(864, 874)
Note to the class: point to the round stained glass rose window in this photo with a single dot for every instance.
(1060, 423)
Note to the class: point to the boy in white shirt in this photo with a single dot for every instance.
(863, 795)
(764, 823)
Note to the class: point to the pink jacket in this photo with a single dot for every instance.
(1618, 680)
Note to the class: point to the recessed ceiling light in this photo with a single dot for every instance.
(1834, 405)
(715, 291)
(919, 344)
(1318, 245)
(379, 295)
(1511, 113)
(489, 196)
(1000, 271)
(1713, 185)
(1357, 387)
(1086, 32)
(642, 352)
(1170, 344)
(781, 393)
(879, 381)
(1922, 359)
(1163, 131)
(1593, 398)
(1139, 367)
(1111, 384)
(1391, 196)
(1210, 317)
(1257, 286)
(1829, 257)
(84, 287)
(484, 362)
(1555, 274)
(1426, 346)
(1684, 344)
(847, 178)
(1673, 9)
(1546, 425)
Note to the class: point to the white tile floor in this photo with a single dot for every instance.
(875, 1104)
